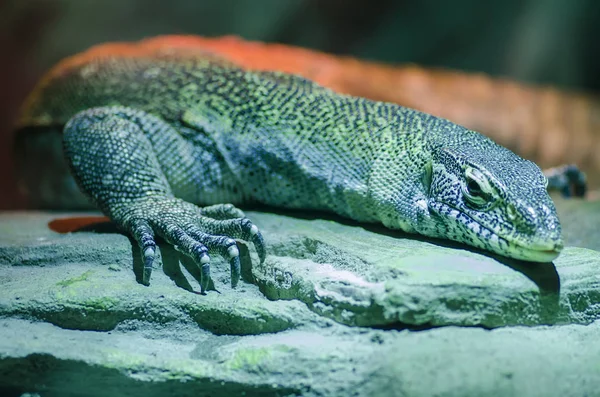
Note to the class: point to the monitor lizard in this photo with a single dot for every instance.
(166, 140)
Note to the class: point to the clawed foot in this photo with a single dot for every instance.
(196, 232)
(568, 179)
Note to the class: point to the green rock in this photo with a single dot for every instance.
(580, 221)
(338, 309)
(140, 359)
(361, 278)
(66, 280)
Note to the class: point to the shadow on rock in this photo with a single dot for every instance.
(544, 275)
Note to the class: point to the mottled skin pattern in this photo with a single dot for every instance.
(153, 137)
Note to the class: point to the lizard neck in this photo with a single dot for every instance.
(400, 178)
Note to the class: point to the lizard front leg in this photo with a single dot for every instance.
(112, 152)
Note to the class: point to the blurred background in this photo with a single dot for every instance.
(547, 42)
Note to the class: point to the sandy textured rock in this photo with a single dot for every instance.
(580, 220)
(140, 359)
(85, 281)
(73, 320)
(342, 272)
(358, 277)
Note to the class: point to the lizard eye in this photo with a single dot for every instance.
(477, 190)
(473, 188)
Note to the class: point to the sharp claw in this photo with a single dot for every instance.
(148, 260)
(205, 272)
(146, 275)
(235, 270)
(233, 251)
(259, 245)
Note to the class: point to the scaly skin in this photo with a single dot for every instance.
(543, 124)
(152, 134)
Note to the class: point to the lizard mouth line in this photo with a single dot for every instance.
(512, 248)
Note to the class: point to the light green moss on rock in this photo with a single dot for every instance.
(74, 280)
(248, 359)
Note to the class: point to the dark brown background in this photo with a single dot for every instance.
(540, 41)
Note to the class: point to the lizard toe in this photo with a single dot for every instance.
(240, 228)
(192, 232)
(144, 236)
(259, 245)
(222, 245)
(236, 271)
(189, 246)
(222, 212)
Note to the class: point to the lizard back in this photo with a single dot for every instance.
(317, 140)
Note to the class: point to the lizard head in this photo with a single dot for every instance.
(486, 196)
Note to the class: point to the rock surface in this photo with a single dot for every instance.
(361, 278)
(580, 220)
(351, 310)
(182, 360)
